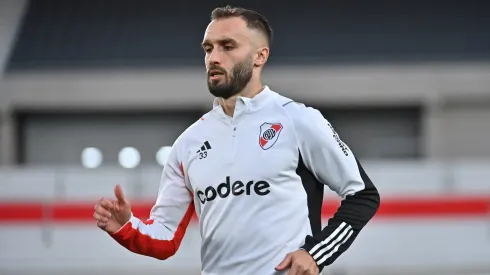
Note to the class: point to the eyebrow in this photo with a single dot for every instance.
(220, 41)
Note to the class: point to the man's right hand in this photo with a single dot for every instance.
(111, 215)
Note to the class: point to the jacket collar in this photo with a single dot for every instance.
(245, 104)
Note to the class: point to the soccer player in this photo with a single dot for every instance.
(253, 169)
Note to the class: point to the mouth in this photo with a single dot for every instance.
(215, 74)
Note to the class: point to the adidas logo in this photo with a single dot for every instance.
(203, 152)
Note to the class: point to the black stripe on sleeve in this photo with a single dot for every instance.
(314, 190)
(353, 214)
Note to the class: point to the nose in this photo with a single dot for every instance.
(214, 57)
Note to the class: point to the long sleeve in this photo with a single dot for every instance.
(160, 236)
(332, 163)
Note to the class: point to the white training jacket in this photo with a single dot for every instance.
(256, 182)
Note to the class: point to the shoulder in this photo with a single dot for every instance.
(294, 107)
(310, 126)
(304, 118)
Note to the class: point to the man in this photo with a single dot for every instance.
(254, 170)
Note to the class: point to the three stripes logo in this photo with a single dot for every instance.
(203, 152)
(324, 250)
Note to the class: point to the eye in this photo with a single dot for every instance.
(228, 47)
(207, 49)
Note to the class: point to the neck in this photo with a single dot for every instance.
(252, 89)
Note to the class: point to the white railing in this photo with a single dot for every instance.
(391, 177)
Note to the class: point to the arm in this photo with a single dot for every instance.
(160, 236)
(332, 163)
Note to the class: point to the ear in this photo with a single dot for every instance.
(261, 56)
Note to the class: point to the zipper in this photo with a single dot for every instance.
(233, 142)
(239, 109)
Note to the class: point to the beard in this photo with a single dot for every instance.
(241, 74)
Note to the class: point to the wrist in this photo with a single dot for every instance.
(123, 226)
(309, 247)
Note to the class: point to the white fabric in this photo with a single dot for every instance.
(264, 215)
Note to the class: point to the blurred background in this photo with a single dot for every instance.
(93, 93)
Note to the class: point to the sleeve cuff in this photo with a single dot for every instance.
(308, 245)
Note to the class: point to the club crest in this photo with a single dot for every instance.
(269, 133)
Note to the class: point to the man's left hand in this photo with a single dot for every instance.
(299, 262)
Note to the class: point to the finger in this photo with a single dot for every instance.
(119, 194)
(100, 218)
(103, 212)
(314, 270)
(294, 270)
(101, 225)
(106, 203)
(285, 263)
(96, 216)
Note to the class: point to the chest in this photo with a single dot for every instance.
(248, 151)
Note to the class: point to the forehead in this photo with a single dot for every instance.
(234, 28)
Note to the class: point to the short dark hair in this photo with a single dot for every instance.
(254, 19)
